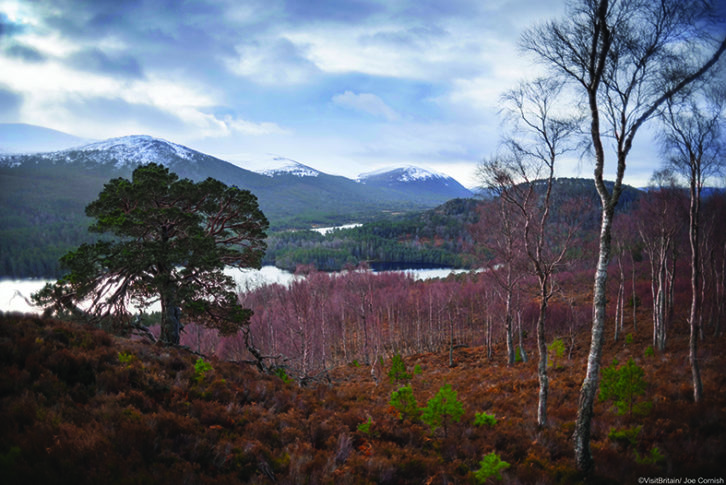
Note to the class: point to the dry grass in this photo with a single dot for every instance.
(73, 411)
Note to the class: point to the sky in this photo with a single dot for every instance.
(344, 86)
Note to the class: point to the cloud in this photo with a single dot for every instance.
(250, 128)
(95, 60)
(349, 11)
(272, 61)
(8, 28)
(366, 103)
(10, 103)
(24, 52)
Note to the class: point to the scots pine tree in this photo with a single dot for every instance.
(168, 241)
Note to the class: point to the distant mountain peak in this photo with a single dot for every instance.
(139, 149)
(408, 173)
(286, 166)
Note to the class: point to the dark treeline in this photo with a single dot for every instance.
(437, 237)
(440, 237)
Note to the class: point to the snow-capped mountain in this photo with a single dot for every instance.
(415, 178)
(287, 166)
(136, 150)
(408, 173)
(44, 192)
(121, 153)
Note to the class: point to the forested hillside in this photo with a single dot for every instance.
(442, 237)
(435, 238)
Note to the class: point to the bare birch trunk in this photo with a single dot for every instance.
(508, 324)
(635, 296)
(695, 298)
(522, 352)
(588, 391)
(542, 365)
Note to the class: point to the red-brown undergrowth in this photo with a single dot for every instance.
(79, 406)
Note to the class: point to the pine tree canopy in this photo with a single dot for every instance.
(165, 240)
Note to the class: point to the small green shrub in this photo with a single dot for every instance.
(653, 457)
(405, 403)
(442, 408)
(417, 370)
(649, 351)
(484, 419)
(201, 367)
(280, 372)
(555, 351)
(623, 385)
(126, 358)
(626, 437)
(629, 338)
(490, 466)
(365, 428)
(398, 370)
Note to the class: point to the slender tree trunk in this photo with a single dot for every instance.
(522, 352)
(635, 296)
(588, 391)
(671, 287)
(720, 282)
(542, 348)
(619, 301)
(659, 327)
(489, 337)
(508, 325)
(695, 294)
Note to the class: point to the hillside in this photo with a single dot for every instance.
(80, 406)
(44, 195)
(440, 237)
(436, 237)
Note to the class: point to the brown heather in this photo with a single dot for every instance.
(72, 412)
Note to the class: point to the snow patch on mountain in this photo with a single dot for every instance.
(276, 166)
(120, 152)
(408, 173)
(138, 149)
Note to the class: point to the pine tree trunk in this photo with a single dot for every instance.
(170, 315)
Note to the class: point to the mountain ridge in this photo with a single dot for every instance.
(44, 195)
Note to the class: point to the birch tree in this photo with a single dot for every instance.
(626, 58)
(693, 141)
(524, 181)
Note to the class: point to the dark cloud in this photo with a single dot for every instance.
(417, 36)
(24, 52)
(350, 11)
(10, 103)
(190, 38)
(8, 28)
(95, 60)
